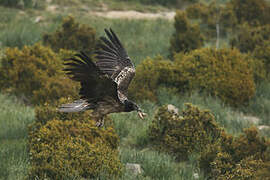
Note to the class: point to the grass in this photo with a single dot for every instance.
(14, 121)
(154, 164)
(260, 104)
(131, 129)
(134, 146)
(231, 119)
(141, 38)
(18, 28)
(18, 34)
(157, 166)
(7, 15)
(14, 159)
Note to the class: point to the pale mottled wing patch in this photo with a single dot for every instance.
(122, 79)
(114, 61)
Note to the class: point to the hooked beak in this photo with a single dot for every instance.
(141, 114)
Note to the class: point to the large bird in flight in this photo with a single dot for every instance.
(104, 83)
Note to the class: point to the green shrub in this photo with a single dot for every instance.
(256, 41)
(197, 11)
(224, 73)
(17, 3)
(69, 145)
(239, 157)
(210, 15)
(252, 11)
(35, 74)
(265, 171)
(150, 74)
(248, 38)
(72, 149)
(249, 144)
(247, 168)
(225, 168)
(262, 53)
(73, 36)
(229, 16)
(187, 36)
(185, 134)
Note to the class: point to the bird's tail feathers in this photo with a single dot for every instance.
(76, 106)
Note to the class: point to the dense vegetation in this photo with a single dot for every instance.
(187, 37)
(65, 148)
(72, 36)
(212, 62)
(34, 74)
(225, 73)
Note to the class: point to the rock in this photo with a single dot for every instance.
(196, 176)
(134, 168)
(38, 19)
(172, 108)
(264, 128)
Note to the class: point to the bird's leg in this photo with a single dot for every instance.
(100, 122)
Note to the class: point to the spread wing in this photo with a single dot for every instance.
(114, 61)
(95, 86)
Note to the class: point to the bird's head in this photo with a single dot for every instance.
(131, 106)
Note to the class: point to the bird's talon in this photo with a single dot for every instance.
(141, 114)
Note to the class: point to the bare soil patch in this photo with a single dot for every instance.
(134, 15)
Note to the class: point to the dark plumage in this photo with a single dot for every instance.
(104, 84)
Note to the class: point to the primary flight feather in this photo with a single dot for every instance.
(104, 83)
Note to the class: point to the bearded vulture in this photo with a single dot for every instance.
(104, 83)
